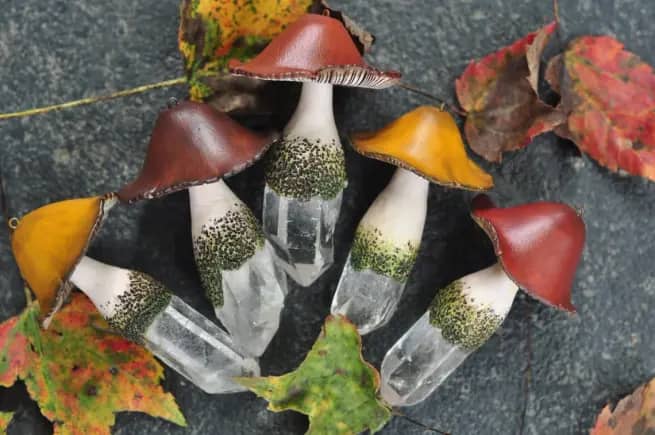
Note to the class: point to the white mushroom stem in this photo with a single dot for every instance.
(490, 288)
(208, 202)
(398, 213)
(314, 115)
(101, 282)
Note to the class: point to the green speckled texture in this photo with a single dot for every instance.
(225, 244)
(302, 168)
(459, 321)
(371, 251)
(139, 305)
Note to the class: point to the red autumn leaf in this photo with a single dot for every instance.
(499, 93)
(609, 96)
(79, 374)
(634, 414)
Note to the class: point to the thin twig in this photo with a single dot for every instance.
(91, 100)
(444, 105)
(418, 423)
(527, 372)
(556, 11)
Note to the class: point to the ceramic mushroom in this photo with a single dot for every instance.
(305, 171)
(538, 246)
(193, 146)
(426, 146)
(50, 245)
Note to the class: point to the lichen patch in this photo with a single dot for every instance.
(460, 321)
(371, 251)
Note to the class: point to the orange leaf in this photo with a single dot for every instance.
(212, 32)
(634, 414)
(499, 94)
(49, 242)
(426, 141)
(609, 96)
(79, 374)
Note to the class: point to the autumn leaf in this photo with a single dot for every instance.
(79, 374)
(212, 32)
(608, 94)
(334, 386)
(634, 414)
(5, 420)
(499, 94)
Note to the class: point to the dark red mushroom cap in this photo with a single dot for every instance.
(191, 144)
(538, 244)
(315, 48)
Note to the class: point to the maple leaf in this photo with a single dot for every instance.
(334, 386)
(608, 94)
(499, 94)
(212, 32)
(79, 374)
(634, 414)
(5, 419)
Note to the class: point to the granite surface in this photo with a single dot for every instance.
(58, 50)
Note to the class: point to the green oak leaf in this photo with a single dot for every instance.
(334, 386)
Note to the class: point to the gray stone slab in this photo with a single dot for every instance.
(58, 50)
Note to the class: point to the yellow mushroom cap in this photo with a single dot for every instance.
(427, 142)
(49, 242)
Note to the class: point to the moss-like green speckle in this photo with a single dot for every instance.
(371, 251)
(300, 168)
(460, 322)
(137, 307)
(225, 244)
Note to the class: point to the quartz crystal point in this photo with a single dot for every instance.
(236, 266)
(143, 310)
(383, 253)
(462, 317)
(305, 175)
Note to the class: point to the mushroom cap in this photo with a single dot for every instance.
(193, 143)
(538, 244)
(50, 241)
(316, 48)
(427, 142)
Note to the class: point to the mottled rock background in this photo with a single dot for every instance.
(58, 50)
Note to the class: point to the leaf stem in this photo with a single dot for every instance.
(444, 105)
(418, 423)
(91, 100)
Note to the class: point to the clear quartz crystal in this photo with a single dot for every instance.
(230, 246)
(387, 240)
(424, 357)
(253, 299)
(416, 365)
(300, 215)
(366, 298)
(195, 347)
(141, 308)
(302, 233)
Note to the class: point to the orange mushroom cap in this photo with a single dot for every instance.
(427, 142)
(193, 143)
(315, 48)
(50, 241)
(538, 244)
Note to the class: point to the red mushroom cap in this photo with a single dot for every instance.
(315, 48)
(191, 144)
(538, 244)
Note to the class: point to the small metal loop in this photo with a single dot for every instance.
(172, 102)
(326, 12)
(12, 223)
